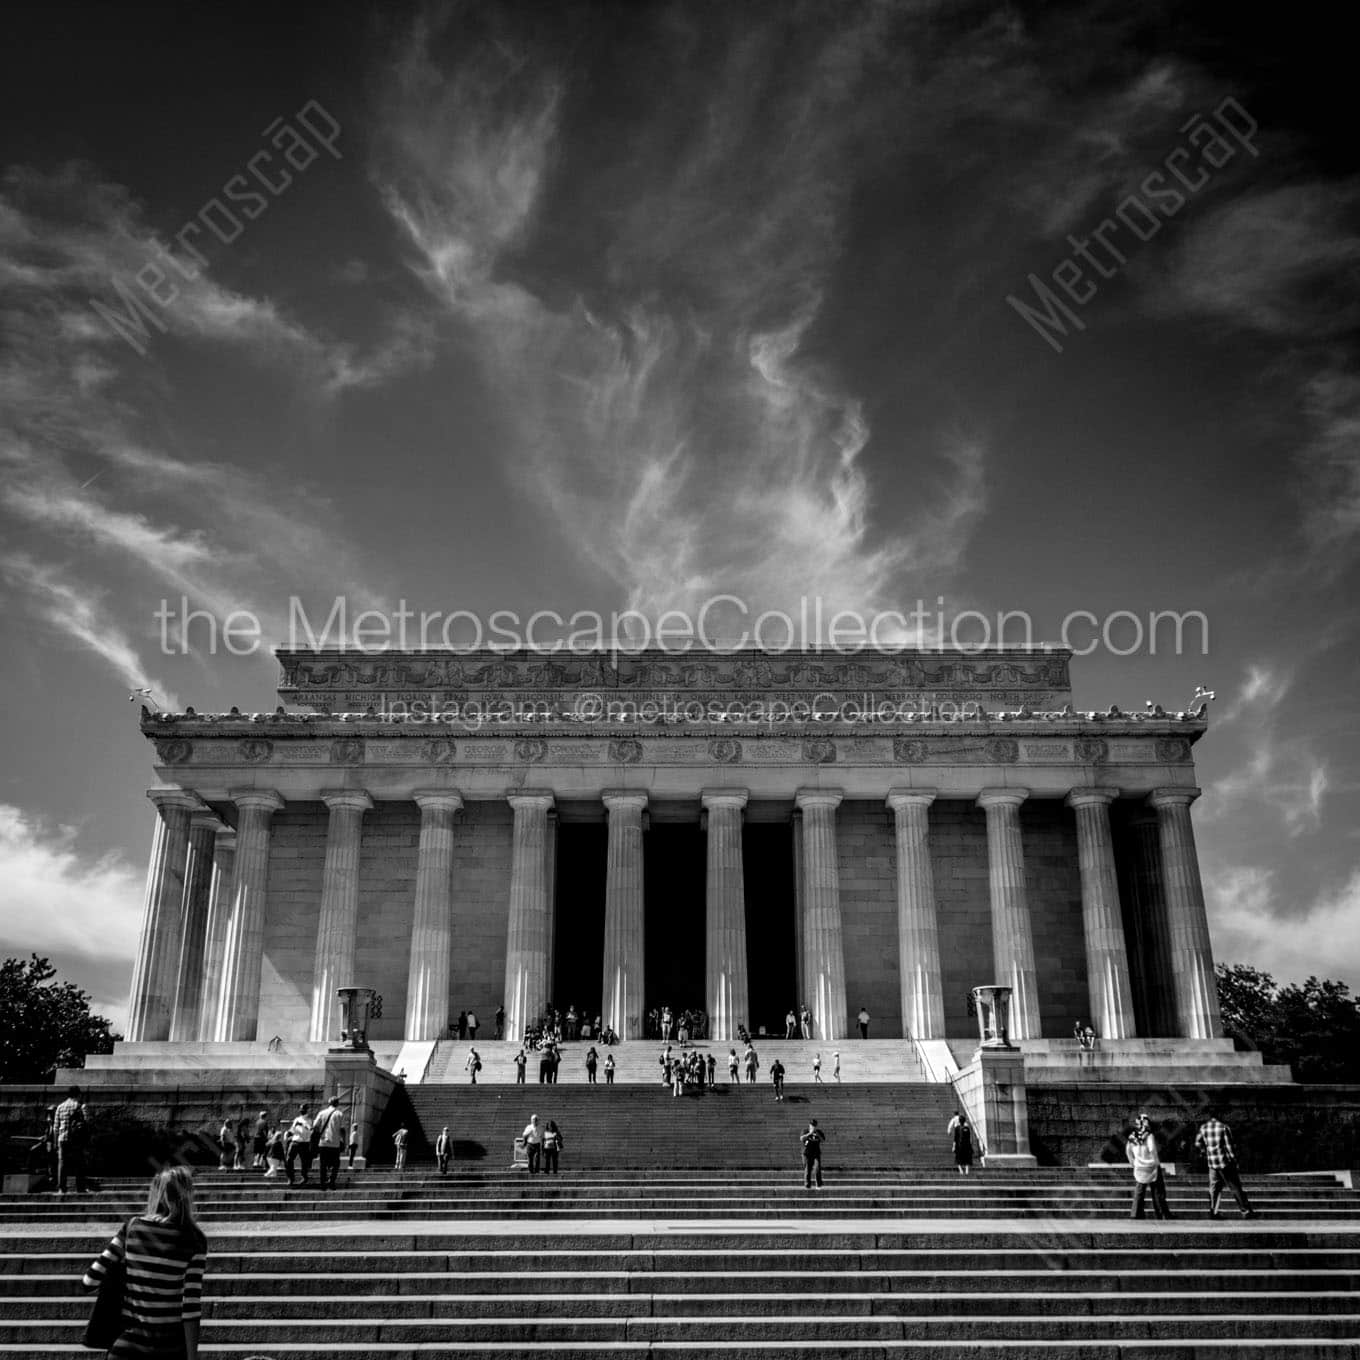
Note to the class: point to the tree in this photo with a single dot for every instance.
(1313, 1028)
(45, 1024)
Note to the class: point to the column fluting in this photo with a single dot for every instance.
(821, 938)
(219, 912)
(338, 923)
(624, 916)
(726, 984)
(155, 973)
(198, 878)
(1192, 958)
(918, 927)
(1012, 928)
(243, 948)
(526, 944)
(427, 979)
(1102, 916)
(1154, 978)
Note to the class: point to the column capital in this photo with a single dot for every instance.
(438, 800)
(624, 799)
(1170, 797)
(1001, 797)
(805, 798)
(1087, 796)
(355, 799)
(267, 799)
(910, 798)
(176, 798)
(530, 798)
(206, 818)
(712, 798)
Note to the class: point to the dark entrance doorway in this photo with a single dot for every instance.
(673, 885)
(771, 962)
(578, 940)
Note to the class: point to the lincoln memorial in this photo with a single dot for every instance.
(737, 833)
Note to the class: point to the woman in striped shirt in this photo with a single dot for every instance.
(164, 1251)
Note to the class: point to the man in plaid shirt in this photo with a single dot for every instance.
(1214, 1139)
(68, 1132)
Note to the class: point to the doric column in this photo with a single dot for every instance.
(526, 944)
(427, 981)
(918, 928)
(243, 950)
(820, 936)
(726, 985)
(1102, 917)
(156, 970)
(198, 880)
(624, 930)
(1012, 930)
(219, 911)
(1151, 940)
(1192, 959)
(338, 924)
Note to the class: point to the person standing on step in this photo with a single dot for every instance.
(961, 1137)
(330, 1138)
(863, 1019)
(462, 1024)
(552, 1146)
(1141, 1150)
(399, 1140)
(244, 1132)
(777, 1078)
(473, 1064)
(813, 1138)
(260, 1140)
(224, 1142)
(592, 1062)
(790, 1023)
(805, 1016)
(733, 1068)
(533, 1143)
(1214, 1139)
(163, 1252)
(752, 1059)
(817, 1068)
(355, 1142)
(500, 1022)
(299, 1145)
(836, 1065)
(473, 1023)
(521, 1062)
(276, 1149)
(443, 1150)
(556, 1063)
(712, 1071)
(608, 1069)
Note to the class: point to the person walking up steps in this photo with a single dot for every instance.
(1214, 1139)
(733, 1074)
(399, 1140)
(330, 1138)
(961, 1137)
(817, 1069)
(552, 1146)
(533, 1143)
(813, 1138)
(836, 1065)
(608, 1069)
(592, 1062)
(752, 1062)
(473, 1064)
(443, 1150)
(777, 1078)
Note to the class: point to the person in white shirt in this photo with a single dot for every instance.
(1141, 1150)
(863, 1019)
(299, 1145)
(399, 1140)
(443, 1150)
(533, 1143)
(473, 1064)
(330, 1130)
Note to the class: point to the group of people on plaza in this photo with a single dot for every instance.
(288, 1148)
(661, 1022)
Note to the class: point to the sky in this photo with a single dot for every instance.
(599, 307)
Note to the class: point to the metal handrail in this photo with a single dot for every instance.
(952, 1078)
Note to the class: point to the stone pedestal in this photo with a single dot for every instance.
(821, 939)
(339, 921)
(624, 938)
(364, 1090)
(243, 948)
(1192, 960)
(918, 931)
(725, 916)
(427, 982)
(1012, 929)
(993, 1087)
(1107, 959)
(155, 973)
(198, 884)
(526, 952)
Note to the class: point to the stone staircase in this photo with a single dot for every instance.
(702, 1262)
(863, 1061)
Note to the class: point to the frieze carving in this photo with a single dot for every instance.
(625, 751)
(255, 750)
(819, 751)
(724, 750)
(1172, 750)
(347, 751)
(1091, 750)
(1002, 750)
(438, 751)
(176, 751)
(531, 750)
(909, 750)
